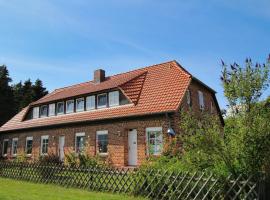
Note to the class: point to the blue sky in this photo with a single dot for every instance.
(63, 42)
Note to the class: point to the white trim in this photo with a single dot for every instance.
(150, 129)
(35, 112)
(82, 109)
(26, 140)
(106, 100)
(114, 98)
(70, 111)
(5, 140)
(101, 132)
(12, 146)
(41, 111)
(154, 129)
(44, 137)
(60, 113)
(90, 99)
(51, 107)
(81, 134)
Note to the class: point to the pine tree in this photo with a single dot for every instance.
(39, 90)
(28, 94)
(6, 96)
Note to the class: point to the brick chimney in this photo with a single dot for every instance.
(99, 76)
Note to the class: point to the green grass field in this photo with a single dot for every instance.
(20, 190)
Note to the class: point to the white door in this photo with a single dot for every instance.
(61, 147)
(132, 147)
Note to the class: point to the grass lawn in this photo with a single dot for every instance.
(20, 190)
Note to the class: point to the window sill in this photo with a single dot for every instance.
(103, 154)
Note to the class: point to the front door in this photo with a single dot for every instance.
(61, 147)
(132, 147)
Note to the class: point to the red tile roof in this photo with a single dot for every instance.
(154, 89)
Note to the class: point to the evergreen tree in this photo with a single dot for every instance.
(6, 96)
(39, 90)
(28, 93)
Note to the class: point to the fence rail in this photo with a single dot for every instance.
(153, 184)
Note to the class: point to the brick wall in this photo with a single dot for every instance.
(117, 132)
(117, 137)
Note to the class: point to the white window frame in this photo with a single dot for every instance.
(101, 132)
(188, 97)
(41, 110)
(44, 137)
(5, 140)
(26, 140)
(12, 147)
(149, 129)
(201, 100)
(36, 112)
(82, 109)
(68, 101)
(60, 113)
(82, 134)
(114, 98)
(89, 102)
(51, 110)
(105, 106)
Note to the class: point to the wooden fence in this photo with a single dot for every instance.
(153, 184)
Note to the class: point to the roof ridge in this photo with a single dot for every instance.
(91, 81)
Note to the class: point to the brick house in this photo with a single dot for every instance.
(123, 118)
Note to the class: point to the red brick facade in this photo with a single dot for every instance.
(117, 131)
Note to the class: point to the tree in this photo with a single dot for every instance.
(26, 93)
(39, 90)
(6, 96)
(244, 144)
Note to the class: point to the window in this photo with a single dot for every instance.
(14, 146)
(211, 107)
(90, 102)
(52, 109)
(102, 142)
(5, 147)
(60, 108)
(154, 140)
(44, 144)
(201, 100)
(79, 104)
(35, 112)
(29, 145)
(114, 98)
(102, 101)
(70, 106)
(189, 97)
(79, 142)
(44, 111)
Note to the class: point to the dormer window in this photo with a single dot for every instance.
(52, 109)
(60, 108)
(91, 102)
(79, 104)
(70, 106)
(102, 100)
(114, 98)
(35, 112)
(44, 111)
